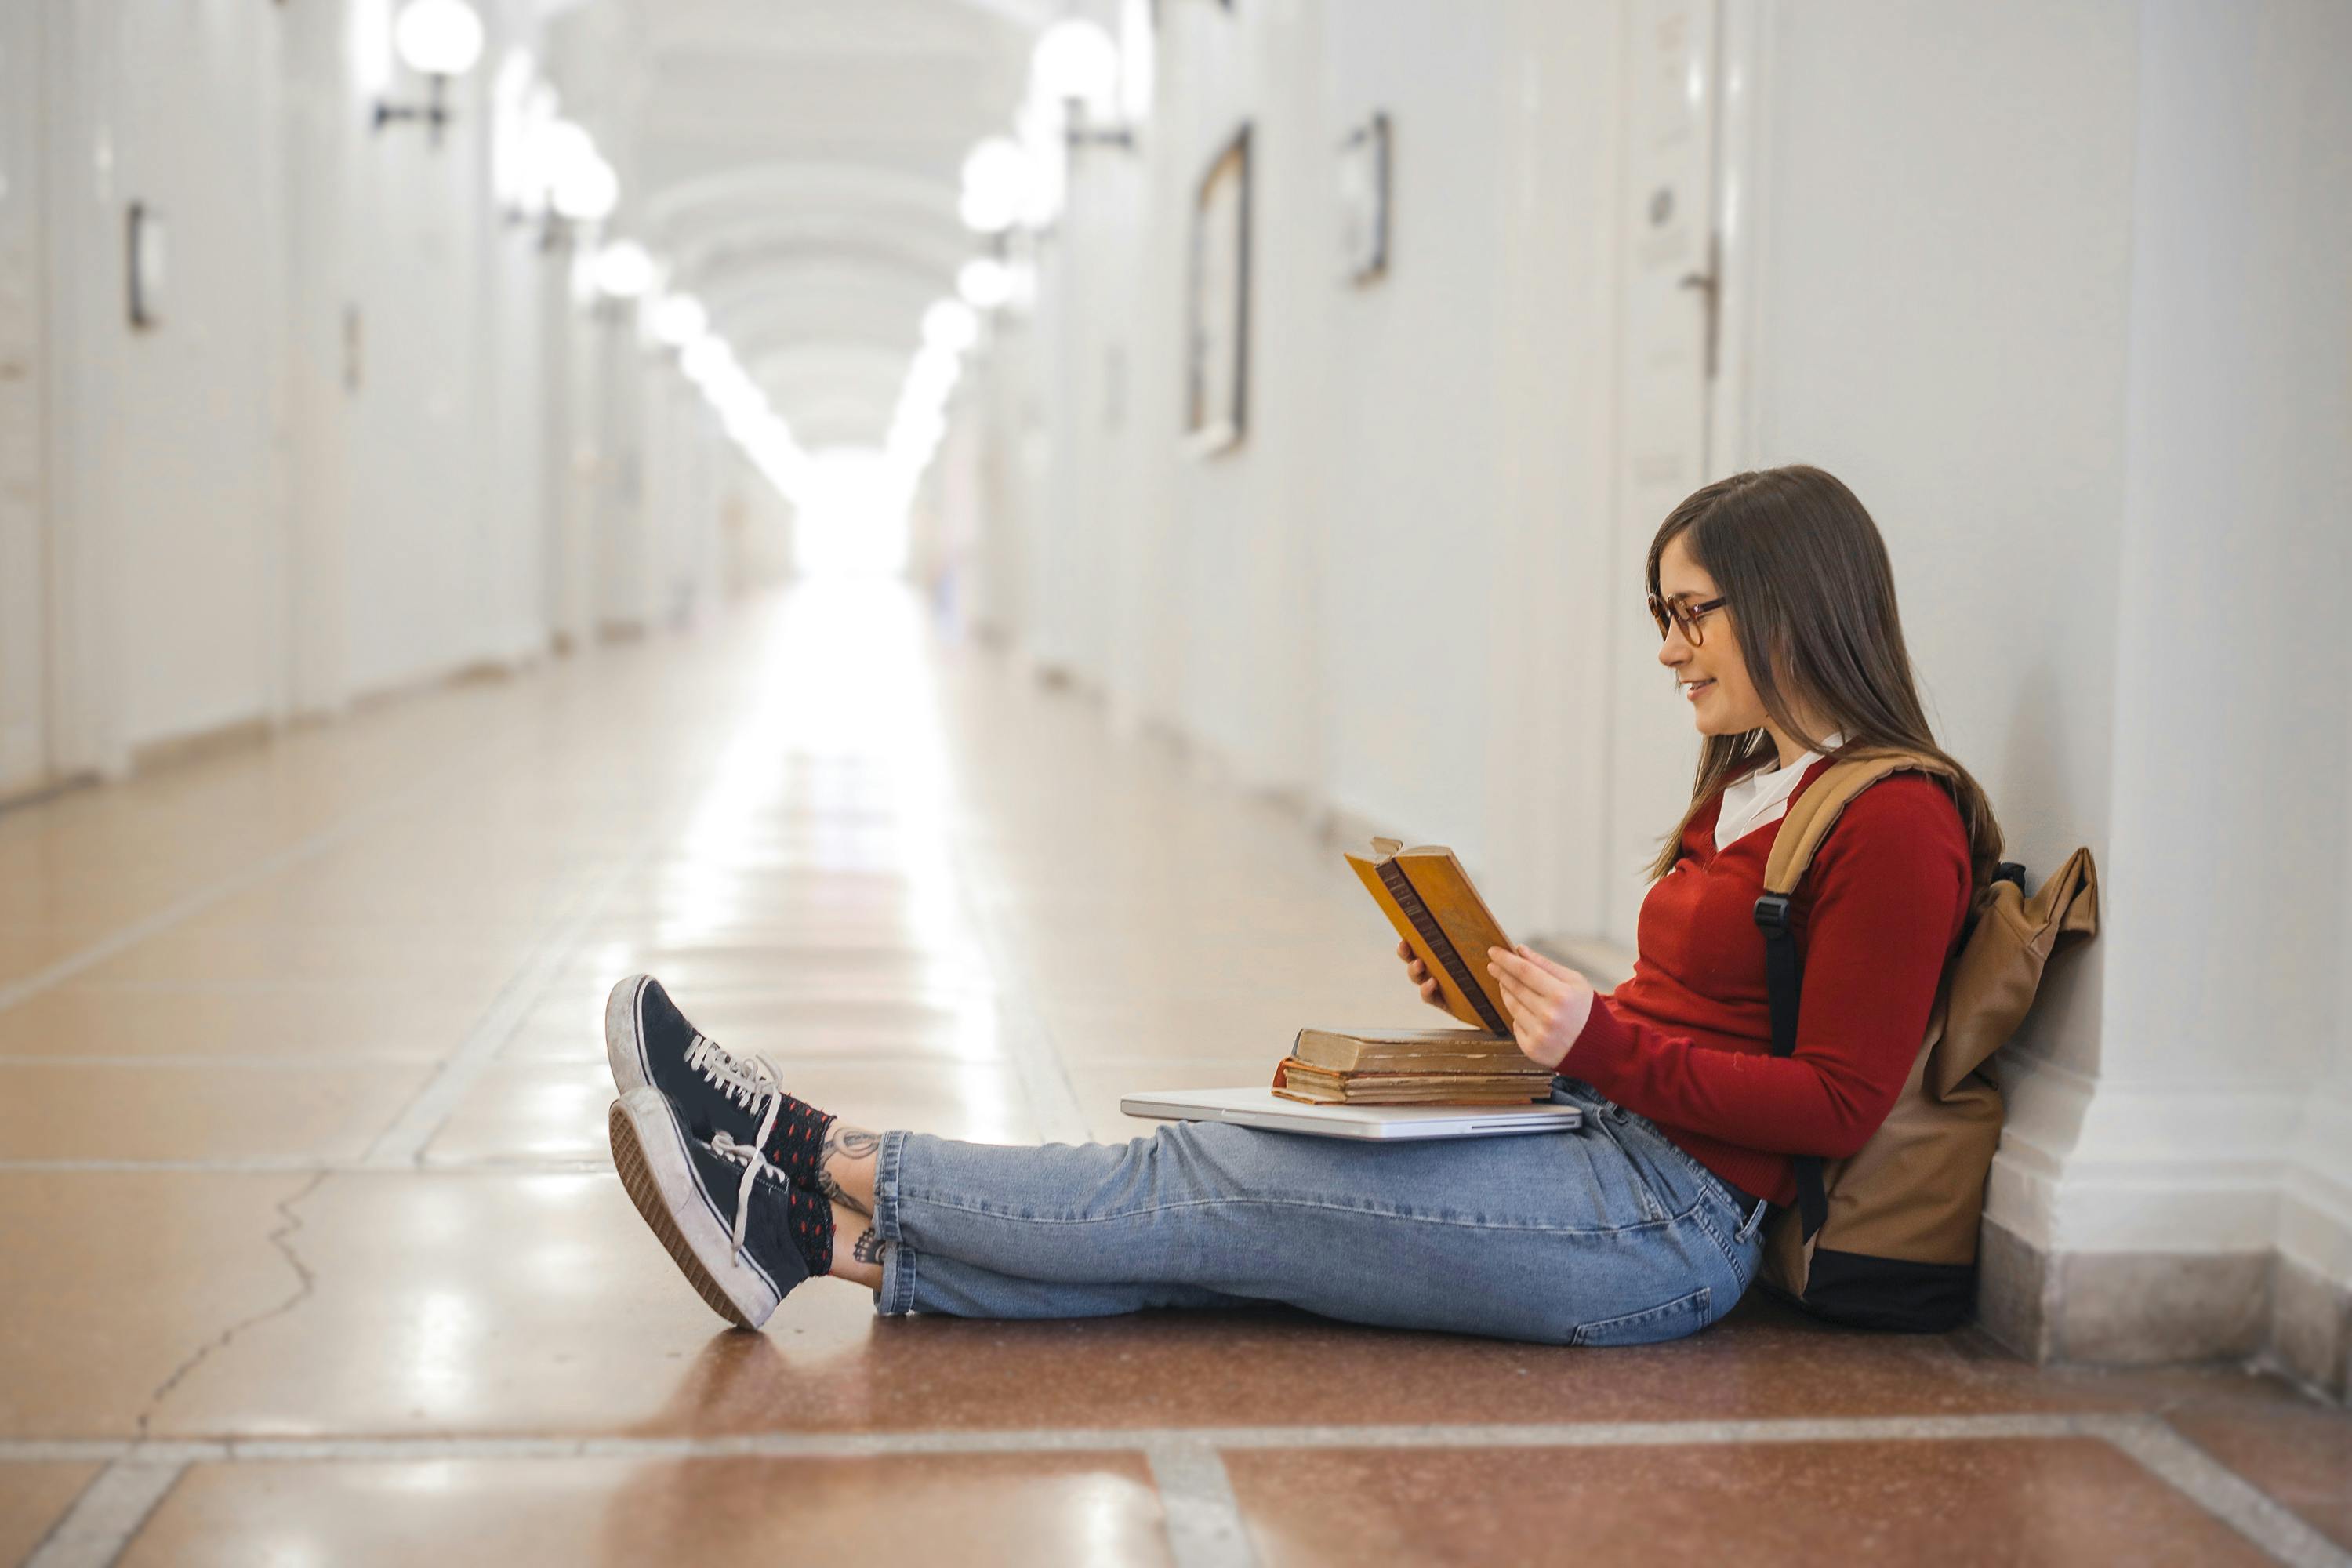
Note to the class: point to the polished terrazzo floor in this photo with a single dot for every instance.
(314, 1254)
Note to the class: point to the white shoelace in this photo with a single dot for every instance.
(744, 1080)
(725, 1146)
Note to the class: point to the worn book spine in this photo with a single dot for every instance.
(1439, 946)
(1430, 1050)
(1302, 1081)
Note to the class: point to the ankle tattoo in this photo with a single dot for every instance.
(847, 1144)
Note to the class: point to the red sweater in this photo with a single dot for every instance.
(1687, 1041)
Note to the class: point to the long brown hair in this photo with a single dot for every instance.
(1808, 584)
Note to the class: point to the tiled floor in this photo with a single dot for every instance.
(313, 1252)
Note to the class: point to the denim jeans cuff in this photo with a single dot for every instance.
(887, 1156)
(896, 1299)
(896, 1296)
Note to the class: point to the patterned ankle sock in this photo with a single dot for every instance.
(796, 1145)
(810, 1218)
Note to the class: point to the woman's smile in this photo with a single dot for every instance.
(1694, 689)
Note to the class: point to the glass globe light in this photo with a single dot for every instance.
(1076, 58)
(680, 318)
(438, 38)
(984, 282)
(624, 270)
(585, 189)
(950, 325)
(996, 180)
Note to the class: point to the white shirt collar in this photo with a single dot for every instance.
(1762, 796)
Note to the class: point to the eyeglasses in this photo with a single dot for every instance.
(1682, 612)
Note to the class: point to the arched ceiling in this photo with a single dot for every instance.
(796, 163)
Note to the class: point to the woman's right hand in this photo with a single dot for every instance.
(1424, 982)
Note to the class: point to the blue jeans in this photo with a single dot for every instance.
(1606, 1236)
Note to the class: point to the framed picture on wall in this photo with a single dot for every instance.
(1216, 319)
(1364, 200)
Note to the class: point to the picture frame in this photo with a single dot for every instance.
(1363, 189)
(1216, 337)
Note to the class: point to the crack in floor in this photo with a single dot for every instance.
(280, 1239)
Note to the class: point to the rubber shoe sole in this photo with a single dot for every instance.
(648, 1149)
(624, 1040)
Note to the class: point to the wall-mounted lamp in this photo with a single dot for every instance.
(438, 40)
(577, 188)
(1075, 65)
(986, 282)
(679, 320)
(624, 270)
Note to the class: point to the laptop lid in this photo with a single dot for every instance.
(1265, 1108)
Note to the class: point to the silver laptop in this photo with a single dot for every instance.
(1263, 1108)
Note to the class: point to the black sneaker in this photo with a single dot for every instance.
(742, 1233)
(648, 1041)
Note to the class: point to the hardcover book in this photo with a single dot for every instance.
(1296, 1080)
(1408, 1067)
(1409, 1050)
(1428, 898)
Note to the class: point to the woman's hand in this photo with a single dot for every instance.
(1548, 1002)
(1424, 982)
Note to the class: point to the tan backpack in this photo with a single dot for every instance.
(1887, 1238)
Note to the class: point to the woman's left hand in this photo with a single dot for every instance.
(1548, 1002)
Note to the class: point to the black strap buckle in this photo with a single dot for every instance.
(1772, 912)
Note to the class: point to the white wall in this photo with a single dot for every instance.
(347, 460)
(1944, 273)
(2056, 288)
(260, 512)
(1395, 432)
(2228, 909)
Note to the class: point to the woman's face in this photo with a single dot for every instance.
(1712, 678)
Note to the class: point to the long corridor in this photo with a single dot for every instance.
(315, 1255)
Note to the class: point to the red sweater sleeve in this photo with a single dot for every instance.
(1889, 889)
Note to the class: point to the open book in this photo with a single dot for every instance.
(1427, 896)
(1429, 900)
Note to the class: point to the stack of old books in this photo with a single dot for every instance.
(1408, 1067)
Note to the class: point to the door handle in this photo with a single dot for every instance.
(1709, 285)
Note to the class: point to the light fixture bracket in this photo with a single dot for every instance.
(435, 114)
(1078, 133)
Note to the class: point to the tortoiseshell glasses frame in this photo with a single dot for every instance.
(1684, 614)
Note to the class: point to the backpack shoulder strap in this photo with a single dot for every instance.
(1809, 820)
(1816, 810)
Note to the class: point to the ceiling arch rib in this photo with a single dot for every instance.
(750, 269)
(797, 163)
(831, 392)
(825, 207)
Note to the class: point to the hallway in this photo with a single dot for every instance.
(316, 1256)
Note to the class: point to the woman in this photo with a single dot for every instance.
(1776, 613)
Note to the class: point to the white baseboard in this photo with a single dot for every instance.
(2197, 1166)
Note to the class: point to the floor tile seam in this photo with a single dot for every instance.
(94, 1531)
(1729, 1432)
(250, 875)
(303, 1165)
(289, 1061)
(1201, 1515)
(403, 1143)
(2178, 1462)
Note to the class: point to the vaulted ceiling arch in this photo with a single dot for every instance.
(797, 165)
